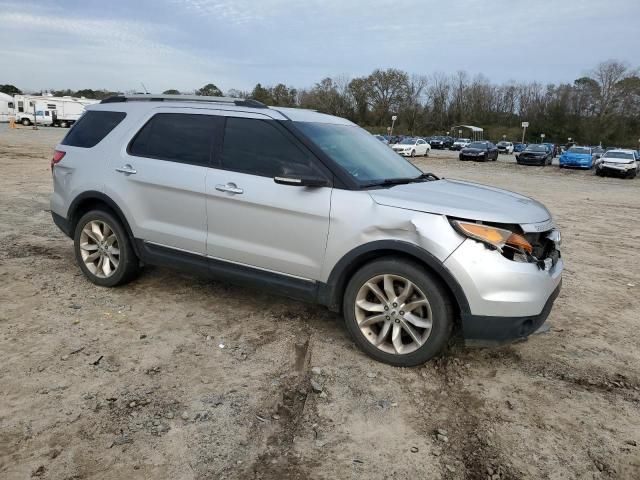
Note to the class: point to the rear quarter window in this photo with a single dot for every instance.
(92, 127)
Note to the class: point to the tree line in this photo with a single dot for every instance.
(600, 107)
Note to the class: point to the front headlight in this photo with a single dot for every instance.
(494, 237)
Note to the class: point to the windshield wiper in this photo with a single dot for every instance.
(401, 181)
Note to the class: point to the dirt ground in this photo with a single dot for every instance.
(179, 378)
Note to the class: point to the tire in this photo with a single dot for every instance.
(26, 122)
(426, 286)
(631, 174)
(127, 266)
(64, 124)
(413, 153)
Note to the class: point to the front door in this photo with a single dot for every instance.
(256, 222)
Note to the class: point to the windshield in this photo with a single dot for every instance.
(478, 145)
(503, 144)
(536, 148)
(583, 150)
(622, 155)
(408, 141)
(357, 152)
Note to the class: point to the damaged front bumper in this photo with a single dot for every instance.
(507, 299)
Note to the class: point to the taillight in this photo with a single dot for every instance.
(57, 156)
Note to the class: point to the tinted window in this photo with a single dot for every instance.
(92, 127)
(178, 137)
(259, 148)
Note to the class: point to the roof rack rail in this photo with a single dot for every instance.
(240, 102)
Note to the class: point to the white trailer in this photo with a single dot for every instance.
(29, 108)
(6, 107)
(56, 111)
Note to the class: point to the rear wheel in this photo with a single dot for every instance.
(103, 249)
(397, 312)
(64, 124)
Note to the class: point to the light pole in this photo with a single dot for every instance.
(524, 129)
(393, 121)
(542, 135)
(459, 133)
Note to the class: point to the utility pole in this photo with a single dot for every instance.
(35, 118)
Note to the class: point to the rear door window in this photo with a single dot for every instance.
(177, 137)
(92, 127)
(258, 147)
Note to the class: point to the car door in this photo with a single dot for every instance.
(256, 222)
(158, 179)
(421, 147)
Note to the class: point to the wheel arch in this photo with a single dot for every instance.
(91, 200)
(331, 293)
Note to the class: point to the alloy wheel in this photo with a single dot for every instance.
(99, 248)
(393, 314)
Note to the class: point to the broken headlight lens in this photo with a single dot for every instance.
(493, 236)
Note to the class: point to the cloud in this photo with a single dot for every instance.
(236, 43)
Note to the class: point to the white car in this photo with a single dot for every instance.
(618, 162)
(505, 147)
(460, 143)
(412, 147)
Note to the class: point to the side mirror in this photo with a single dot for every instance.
(302, 181)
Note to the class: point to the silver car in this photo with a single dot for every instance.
(309, 206)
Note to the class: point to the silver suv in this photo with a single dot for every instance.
(309, 206)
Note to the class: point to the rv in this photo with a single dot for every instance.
(6, 107)
(56, 111)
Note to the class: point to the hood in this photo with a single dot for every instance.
(577, 156)
(404, 145)
(534, 154)
(616, 160)
(472, 150)
(460, 199)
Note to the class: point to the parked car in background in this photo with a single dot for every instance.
(577, 157)
(481, 151)
(440, 143)
(460, 143)
(519, 147)
(553, 148)
(618, 162)
(505, 147)
(412, 147)
(308, 206)
(535, 154)
(382, 139)
(597, 152)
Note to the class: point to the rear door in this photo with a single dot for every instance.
(158, 179)
(253, 220)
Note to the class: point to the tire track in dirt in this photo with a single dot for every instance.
(467, 452)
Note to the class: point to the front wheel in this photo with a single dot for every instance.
(103, 249)
(397, 312)
(413, 153)
(26, 122)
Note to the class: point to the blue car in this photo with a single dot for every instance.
(519, 147)
(578, 157)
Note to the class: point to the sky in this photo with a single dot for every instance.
(185, 44)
